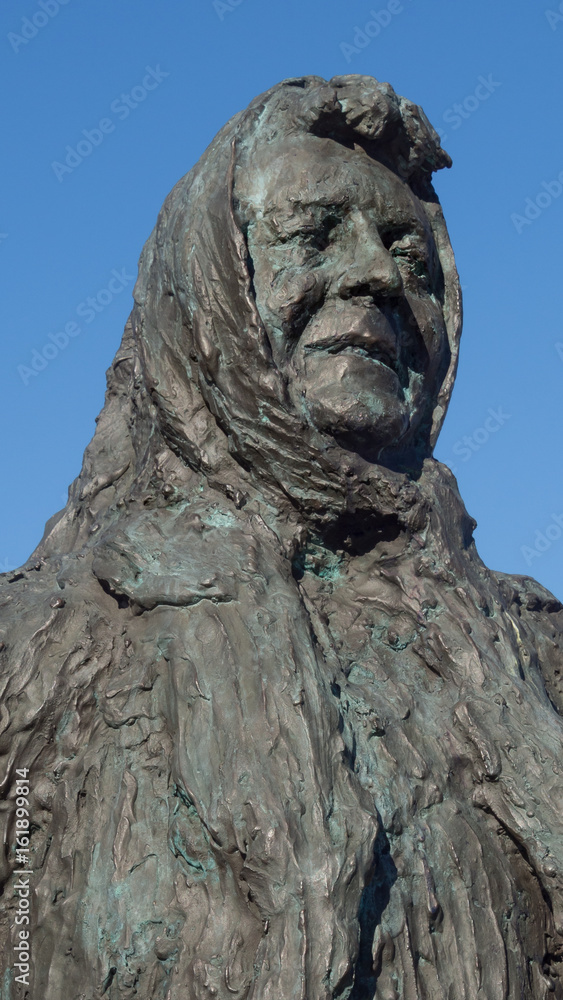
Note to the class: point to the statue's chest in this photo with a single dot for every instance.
(365, 618)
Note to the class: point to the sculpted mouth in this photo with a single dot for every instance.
(358, 327)
(362, 345)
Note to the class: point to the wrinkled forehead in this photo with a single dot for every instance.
(307, 172)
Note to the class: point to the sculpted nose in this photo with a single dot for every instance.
(369, 269)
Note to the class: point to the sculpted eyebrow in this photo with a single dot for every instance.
(397, 229)
(283, 223)
(292, 206)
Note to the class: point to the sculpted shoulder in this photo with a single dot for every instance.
(537, 617)
(181, 556)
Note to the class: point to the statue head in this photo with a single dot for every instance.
(349, 287)
(298, 304)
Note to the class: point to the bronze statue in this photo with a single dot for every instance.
(288, 737)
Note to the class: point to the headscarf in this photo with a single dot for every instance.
(205, 354)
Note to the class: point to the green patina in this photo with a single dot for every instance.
(198, 870)
(203, 867)
(7, 985)
(64, 722)
(359, 674)
(318, 560)
(219, 519)
(264, 418)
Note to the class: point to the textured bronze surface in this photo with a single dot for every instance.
(288, 737)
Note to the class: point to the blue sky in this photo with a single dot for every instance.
(151, 83)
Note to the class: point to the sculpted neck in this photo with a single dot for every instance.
(376, 512)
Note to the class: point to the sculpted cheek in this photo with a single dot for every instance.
(293, 294)
(428, 319)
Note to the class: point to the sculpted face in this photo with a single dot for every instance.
(349, 286)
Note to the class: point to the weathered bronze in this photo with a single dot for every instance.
(288, 737)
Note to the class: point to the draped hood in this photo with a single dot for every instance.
(196, 349)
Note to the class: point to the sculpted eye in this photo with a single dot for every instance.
(318, 233)
(412, 257)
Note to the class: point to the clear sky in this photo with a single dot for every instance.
(107, 104)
